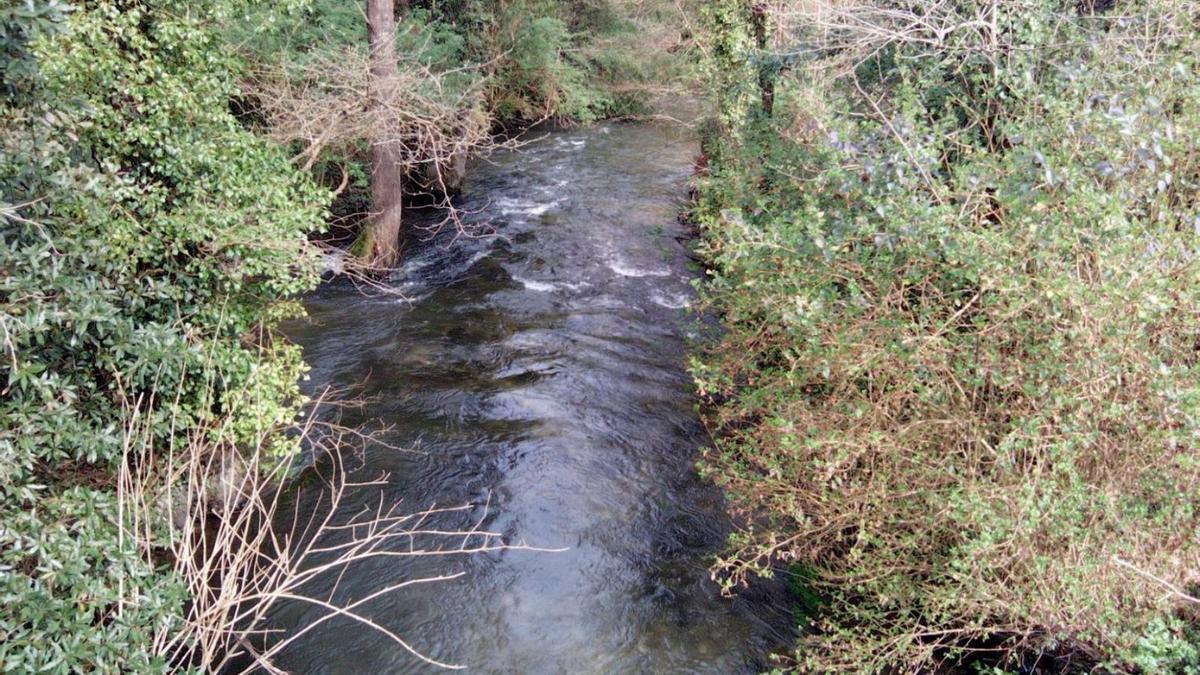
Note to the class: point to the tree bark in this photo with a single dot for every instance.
(380, 243)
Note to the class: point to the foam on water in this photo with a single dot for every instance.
(616, 264)
(523, 207)
(671, 301)
(476, 257)
(333, 262)
(412, 266)
(549, 286)
(539, 286)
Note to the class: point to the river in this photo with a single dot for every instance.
(537, 371)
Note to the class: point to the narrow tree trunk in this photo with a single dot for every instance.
(766, 79)
(381, 241)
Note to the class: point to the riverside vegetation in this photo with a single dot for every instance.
(954, 247)
(153, 233)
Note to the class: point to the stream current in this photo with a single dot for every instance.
(537, 371)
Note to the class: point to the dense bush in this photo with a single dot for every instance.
(551, 59)
(532, 59)
(533, 77)
(959, 384)
(147, 240)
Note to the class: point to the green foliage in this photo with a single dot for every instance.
(1168, 646)
(321, 27)
(21, 22)
(534, 77)
(729, 67)
(808, 601)
(535, 55)
(148, 240)
(536, 58)
(960, 372)
(580, 60)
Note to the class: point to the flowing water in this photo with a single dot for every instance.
(537, 372)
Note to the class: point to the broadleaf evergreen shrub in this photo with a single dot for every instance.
(958, 270)
(148, 243)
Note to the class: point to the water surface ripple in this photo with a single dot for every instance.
(540, 372)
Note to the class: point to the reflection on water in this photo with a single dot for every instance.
(539, 370)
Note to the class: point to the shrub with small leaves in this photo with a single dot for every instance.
(957, 263)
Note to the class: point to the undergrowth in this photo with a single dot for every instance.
(956, 261)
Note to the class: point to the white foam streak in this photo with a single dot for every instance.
(680, 301)
(548, 286)
(523, 207)
(622, 268)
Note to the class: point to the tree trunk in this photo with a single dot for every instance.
(381, 241)
(766, 79)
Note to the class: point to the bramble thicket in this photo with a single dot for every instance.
(954, 248)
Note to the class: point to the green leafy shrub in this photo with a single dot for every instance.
(576, 61)
(958, 269)
(147, 242)
(19, 23)
(533, 76)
